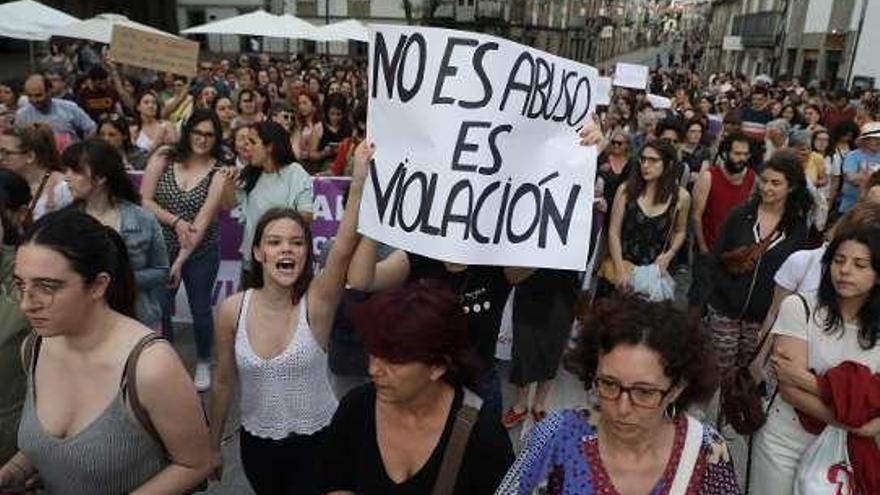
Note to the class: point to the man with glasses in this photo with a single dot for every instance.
(68, 121)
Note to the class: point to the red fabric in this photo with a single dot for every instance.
(338, 166)
(834, 115)
(723, 197)
(853, 394)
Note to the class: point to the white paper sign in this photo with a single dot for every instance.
(658, 102)
(477, 156)
(631, 76)
(603, 91)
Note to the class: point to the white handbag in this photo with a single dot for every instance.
(825, 468)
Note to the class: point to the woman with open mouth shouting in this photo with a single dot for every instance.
(272, 342)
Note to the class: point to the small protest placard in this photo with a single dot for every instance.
(631, 76)
(658, 102)
(477, 158)
(603, 91)
(162, 53)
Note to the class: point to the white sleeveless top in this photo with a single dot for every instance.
(289, 393)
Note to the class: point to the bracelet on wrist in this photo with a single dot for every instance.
(174, 222)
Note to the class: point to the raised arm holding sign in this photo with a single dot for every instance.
(478, 160)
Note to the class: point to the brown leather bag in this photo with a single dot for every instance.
(743, 259)
(742, 395)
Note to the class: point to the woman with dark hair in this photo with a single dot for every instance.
(843, 140)
(225, 110)
(31, 153)
(9, 95)
(337, 126)
(344, 161)
(391, 436)
(115, 131)
(145, 433)
(645, 366)
(839, 324)
(185, 192)
(792, 115)
(15, 195)
(754, 241)
(812, 118)
(272, 343)
(648, 218)
(152, 131)
(308, 129)
(247, 109)
(694, 153)
(102, 189)
(271, 179)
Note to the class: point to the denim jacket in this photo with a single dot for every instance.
(13, 329)
(149, 259)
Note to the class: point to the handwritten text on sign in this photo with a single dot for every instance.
(162, 53)
(477, 156)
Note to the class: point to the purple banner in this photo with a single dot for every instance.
(328, 209)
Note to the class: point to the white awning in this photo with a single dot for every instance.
(352, 29)
(100, 28)
(30, 20)
(260, 23)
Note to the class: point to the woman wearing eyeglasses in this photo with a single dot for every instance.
(648, 218)
(31, 153)
(182, 188)
(108, 409)
(644, 366)
(180, 104)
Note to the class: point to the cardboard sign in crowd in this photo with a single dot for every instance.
(478, 159)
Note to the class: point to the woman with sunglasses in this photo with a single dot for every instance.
(615, 164)
(645, 367)
(183, 188)
(179, 106)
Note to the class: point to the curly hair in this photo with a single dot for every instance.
(686, 355)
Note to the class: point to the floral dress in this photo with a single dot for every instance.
(562, 453)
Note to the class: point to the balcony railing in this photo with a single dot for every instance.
(759, 29)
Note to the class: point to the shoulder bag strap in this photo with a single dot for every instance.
(454, 453)
(33, 205)
(31, 348)
(693, 442)
(129, 386)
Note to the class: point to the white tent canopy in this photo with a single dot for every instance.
(100, 28)
(352, 29)
(30, 20)
(260, 23)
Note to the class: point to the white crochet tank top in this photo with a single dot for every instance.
(289, 393)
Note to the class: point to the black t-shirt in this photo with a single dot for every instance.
(482, 290)
(351, 459)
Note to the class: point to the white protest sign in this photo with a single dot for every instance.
(603, 91)
(658, 102)
(477, 156)
(631, 76)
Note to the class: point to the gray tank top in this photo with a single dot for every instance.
(113, 455)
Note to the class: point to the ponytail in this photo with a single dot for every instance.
(91, 248)
(122, 290)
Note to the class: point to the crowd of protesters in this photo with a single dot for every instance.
(742, 209)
